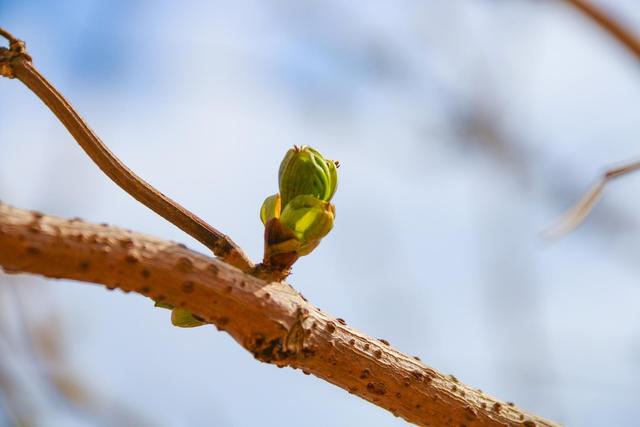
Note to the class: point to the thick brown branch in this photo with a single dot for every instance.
(271, 320)
(15, 63)
(610, 25)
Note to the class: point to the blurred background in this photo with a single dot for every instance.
(463, 129)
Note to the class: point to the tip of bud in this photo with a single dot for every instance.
(304, 171)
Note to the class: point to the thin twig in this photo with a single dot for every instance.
(270, 320)
(572, 218)
(7, 35)
(610, 25)
(15, 63)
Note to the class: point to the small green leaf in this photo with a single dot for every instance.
(270, 208)
(184, 319)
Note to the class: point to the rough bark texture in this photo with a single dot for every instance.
(271, 320)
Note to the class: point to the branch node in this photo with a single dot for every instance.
(17, 51)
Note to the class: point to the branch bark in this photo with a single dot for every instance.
(270, 320)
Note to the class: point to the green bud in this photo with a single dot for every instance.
(299, 216)
(310, 219)
(305, 171)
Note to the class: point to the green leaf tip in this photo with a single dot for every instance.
(180, 317)
(160, 304)
(304, 171)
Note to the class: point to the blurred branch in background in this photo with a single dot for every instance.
(38, 387)
(477, 120)
(610, 25)
(571, 219)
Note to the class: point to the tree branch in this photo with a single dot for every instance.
(610, 25)
(270, 320)
(16, 63)
(572, 218)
